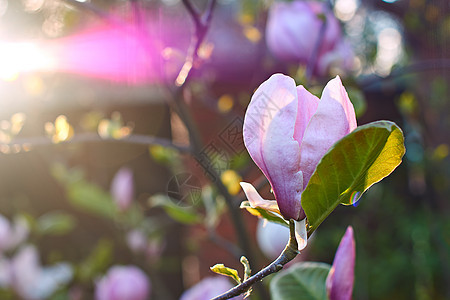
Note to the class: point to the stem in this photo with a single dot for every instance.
(288, 254)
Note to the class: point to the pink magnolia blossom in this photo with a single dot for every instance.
(123, 283)
(342, 273)
(294, 27)
(287, 130)
(31, 280)
(122, 188)
(12, 234)
(208, 288)
(339, 60)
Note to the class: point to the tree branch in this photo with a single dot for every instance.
(312, 62)
(201, 24)
(288, 254)
(137, 139)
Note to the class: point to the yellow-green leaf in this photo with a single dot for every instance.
(222, 270)
(362, 158)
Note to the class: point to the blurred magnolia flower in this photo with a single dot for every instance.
(294, 27)
(5, 272)
(342, 273)
(32, 281)
(123, 283)
(11, 235)
(208, 288)
(122, 188)
(138, 242)
(340, 60)
(272, 238)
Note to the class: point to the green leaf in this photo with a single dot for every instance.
(302, 281)
(222, 270)
(356, 162)
(97, 261)
(55, 223)
(262, 213)
(91, 198)
(185, 215)
(247, 269)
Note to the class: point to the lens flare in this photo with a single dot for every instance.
(17, 58)
(354, 198)
(116, 53)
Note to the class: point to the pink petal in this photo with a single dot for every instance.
(257, 201)
(307, 106)
(334, 119)
(269, 126)
(341, 276)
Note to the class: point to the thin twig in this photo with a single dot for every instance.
(225, 244)
(202, 24)
(137, 139)
(288, 254)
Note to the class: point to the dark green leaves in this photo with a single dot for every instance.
(356, 162)
(303, 281)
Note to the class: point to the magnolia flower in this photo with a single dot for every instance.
(123, 283)
(293, 28)
(31, 280)
(208, 288)
(341, 276)
(271, 237)
(340, 60)
(122, 188)
(12, 235)
(287, 130)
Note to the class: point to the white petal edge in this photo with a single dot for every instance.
(257, 201)
(301, 234)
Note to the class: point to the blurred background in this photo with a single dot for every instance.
(111, 154)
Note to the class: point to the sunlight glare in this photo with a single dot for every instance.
(17, 58)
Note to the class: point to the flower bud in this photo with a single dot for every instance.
(341, 277)
(122, 188)
(123, 283)
(272, 238)
(208, 288)
(294, 27)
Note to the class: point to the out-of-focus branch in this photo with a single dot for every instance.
(201, 27)
(225, 244)
(89, 7)
(137, 139)
(201, 24)
(416, 67)
(288, 254)
(312, 61)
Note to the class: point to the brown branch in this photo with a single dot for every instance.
(312, 61)
(288, 254)
(201, 24)
(137, 139)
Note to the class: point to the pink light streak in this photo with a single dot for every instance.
(113, 53)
